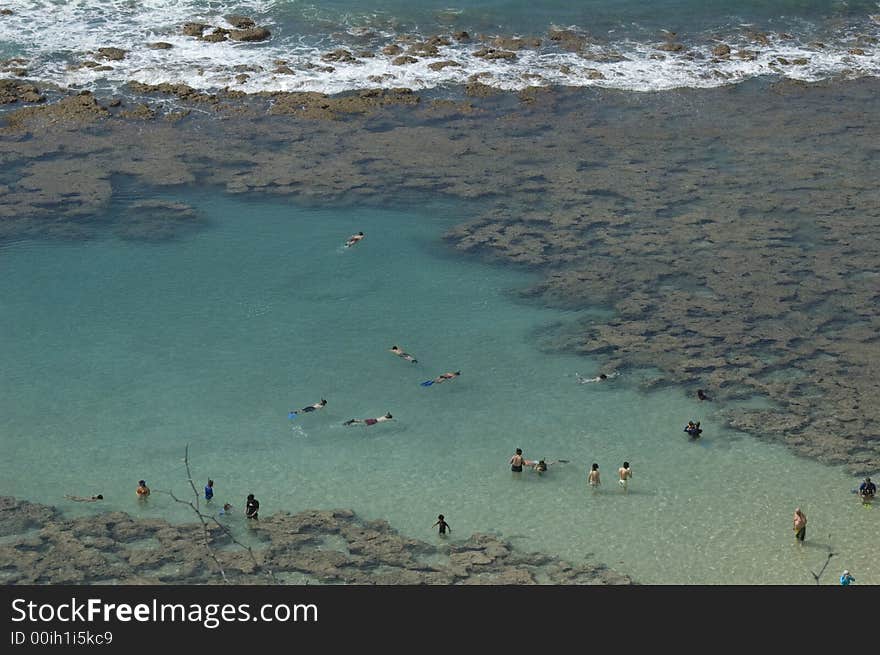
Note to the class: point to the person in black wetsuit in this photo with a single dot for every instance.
(252, 507)
(442, 525)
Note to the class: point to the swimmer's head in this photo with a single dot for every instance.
(595, 466)
(142, 483)
(100, 497)
(388, 415)
(441, 517)
(458, 372)
(250, 497)
(602, 376)
(323, 402)
(210, 483)
(519, 451)
(626, 465)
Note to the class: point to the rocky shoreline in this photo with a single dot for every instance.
(732, 231)
(38, 545)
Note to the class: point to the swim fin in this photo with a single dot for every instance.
(291, 415)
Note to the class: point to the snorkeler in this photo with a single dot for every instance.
(82, 499)
(311, 408)
(353, 239)
(399, 352)
(369, 421)
(441, 378)
(599, 378)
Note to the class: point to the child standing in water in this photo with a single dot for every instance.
(442, 525)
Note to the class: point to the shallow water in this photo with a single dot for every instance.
(118, 353)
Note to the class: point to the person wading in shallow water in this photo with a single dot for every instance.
(518, 461)
(252, 507)
(800, 525)
(442, 525)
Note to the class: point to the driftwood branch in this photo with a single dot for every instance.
(204, 519)
(818, 575)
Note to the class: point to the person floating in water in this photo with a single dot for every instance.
(442, 525)
(369, 421)
(540, 467)
(305, 410)
(593, 477)
(353, 239)
(702, 395)
(143, 490)
(252, 507)
(800, 525)
(599, 378)
(846, 579)
(209, 490)
(399, 352)
(83, 499)
(624, 473)
(441, 378)
(867, 491)
(693, 429)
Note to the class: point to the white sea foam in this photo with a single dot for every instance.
(55, 37)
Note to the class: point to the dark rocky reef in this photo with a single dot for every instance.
(40, 546)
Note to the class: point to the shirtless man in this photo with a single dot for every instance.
(518, 461)
(800, 525)
(353, 239)
(305, 410)
(369, 421)
(624, 473)
(593, 477)
(397, 351)
(143, 490)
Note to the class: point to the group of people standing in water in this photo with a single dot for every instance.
(518, 463)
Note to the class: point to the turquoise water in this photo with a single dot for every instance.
(118, 353)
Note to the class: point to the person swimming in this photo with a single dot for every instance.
(441, 378)
(353, 239)
(306, 410)
(399, 352)
(599, 378)
(369, 421)
(143, 490)
(83, 499)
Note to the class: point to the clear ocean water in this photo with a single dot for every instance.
(815, 39)
(118, 353)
